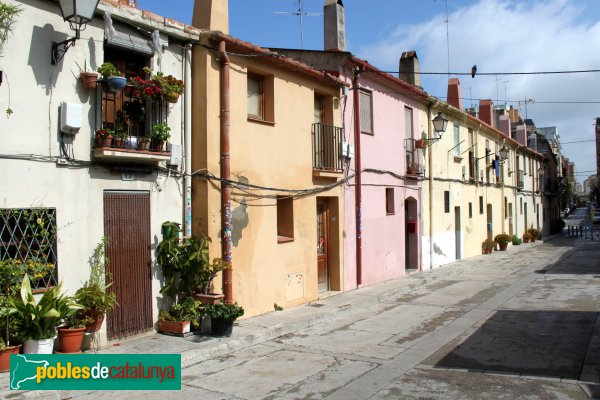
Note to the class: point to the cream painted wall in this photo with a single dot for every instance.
(37, 89)
(275, 155)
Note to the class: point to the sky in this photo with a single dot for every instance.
(498, 36)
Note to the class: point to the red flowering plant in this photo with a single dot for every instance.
(137, 82)
(152, 89)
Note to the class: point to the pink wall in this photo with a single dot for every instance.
(383, 236)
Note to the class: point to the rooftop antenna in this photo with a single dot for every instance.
(300, 13)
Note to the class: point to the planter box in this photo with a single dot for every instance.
(176, 328)
(211, 298)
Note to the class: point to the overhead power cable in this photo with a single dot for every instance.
(583, 71)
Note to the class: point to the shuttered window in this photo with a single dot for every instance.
(366, 112)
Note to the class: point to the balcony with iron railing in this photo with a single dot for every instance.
(327, 143)
(414, 167)
(521, 179)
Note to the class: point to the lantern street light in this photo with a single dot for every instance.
(439, 126)
(503, 154)
(78, 13)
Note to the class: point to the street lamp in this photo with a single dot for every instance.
(78, 13)
(439, 126)
(504, 152)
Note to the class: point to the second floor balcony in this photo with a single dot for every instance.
(414, 166)
(327, 144)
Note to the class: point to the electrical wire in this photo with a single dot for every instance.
(498, 73)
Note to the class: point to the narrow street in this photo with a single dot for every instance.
(520, 324)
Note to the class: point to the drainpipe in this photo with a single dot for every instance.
(225, 174)
(430, 163)
(187, 139)
(357, 167)
(502, 207)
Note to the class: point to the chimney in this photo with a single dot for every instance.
(409, 68)
(334, 25)
(454, 93)
(486, 112)
(513, 113)
(504, 124)
(211, 15)
(521, 135)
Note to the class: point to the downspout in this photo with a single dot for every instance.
(357, 167)
(187, 140)
(225, 173)
(502, 207)
(430, 163)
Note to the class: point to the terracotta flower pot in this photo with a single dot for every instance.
(95, 325)
(211, 298)
(107, 141)
(503, 246)
(89, 79)
(5, 357)
(173, 98)
(70, 339)
(176, 327)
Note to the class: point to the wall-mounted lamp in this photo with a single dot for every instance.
(504, 153)
(439, 126)
(78, 13)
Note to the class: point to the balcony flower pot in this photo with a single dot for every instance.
(70, 339)
(5, 357)
(143, 143)
(420, 143)
(209, 298)
(172, 97)
(128, 90)
(89, 79)
(116, 83)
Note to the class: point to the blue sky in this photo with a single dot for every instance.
(497, 35)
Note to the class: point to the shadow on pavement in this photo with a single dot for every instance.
(584, 259)
(540, 343)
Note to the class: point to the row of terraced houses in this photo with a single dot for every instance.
(313, 171)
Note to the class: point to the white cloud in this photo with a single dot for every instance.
(511, 36)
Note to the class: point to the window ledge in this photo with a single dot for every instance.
(390, 213)
(260, 121)
(130, 155)
(368, 133)
(327, 173)
(458, 159)
(284, 239)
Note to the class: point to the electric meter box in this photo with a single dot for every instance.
(71, 116)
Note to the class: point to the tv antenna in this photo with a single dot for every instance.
(300, 13)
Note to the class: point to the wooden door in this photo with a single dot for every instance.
(322, 244)
(457, 233)
(127, 227)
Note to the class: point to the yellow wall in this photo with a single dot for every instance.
(275, 155)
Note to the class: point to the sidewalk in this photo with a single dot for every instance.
(262, 328)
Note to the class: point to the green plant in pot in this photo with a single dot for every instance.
(516, 240)
(93, 295)
(41, 318)
(533, 233)
(160, 134)
(487, 246)
(11, 273)
(502, 239)
(222, 317)
(180, 317)
(114, 78)
(204, 291)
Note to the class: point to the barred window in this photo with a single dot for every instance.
(28, 241)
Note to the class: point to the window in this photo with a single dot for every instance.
(446, 201)
(480, 204)
(319, 114)
(472, 166)
(285, 219)
(120, 111)
(366, 112)
(456, 140)
(28, 241)
(521, 205)
(487, 161)
(505, 207)
(256, 98)
(470, 210)
(389, 201)
(259, 98)
(408, 123)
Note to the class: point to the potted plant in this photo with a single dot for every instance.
(526, 237)
(41, 318)
(502, 240)
(516, 240)
(11, 272)
(160, 134)
(92, 295)
(203, 292)
(222, 317)
(170, 86)
(89, 79)
(533, 233)
(487, 246)
(180, 317)
(119, 138)
(104, 137)
(114, 78)
(70, 334)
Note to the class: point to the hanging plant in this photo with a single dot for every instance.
(8, 17)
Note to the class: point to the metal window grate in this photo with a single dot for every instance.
(29, 235)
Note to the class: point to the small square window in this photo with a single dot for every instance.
(389, 201)
(285, 219)
(260, 97)
(446, 202)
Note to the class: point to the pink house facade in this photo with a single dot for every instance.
(385, 160)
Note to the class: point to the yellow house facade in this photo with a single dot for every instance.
(480, 181)
(272, 125)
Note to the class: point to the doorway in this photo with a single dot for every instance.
(490, 228)
(510, 220)
(457, 233)
(127, 228)
(525, 217)
(411, 237)
(322, 245)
